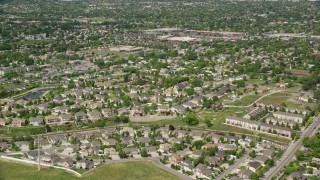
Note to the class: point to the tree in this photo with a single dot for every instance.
(252, 144)
(144, 153)
(31, 145)
(270, 162)
(122, 154)
(316, 94)
(191, 119)
(198, 144)
(123, 118)
(208, 122)
(243, 136)
(252, 154)
(177, 147)
(171, 127)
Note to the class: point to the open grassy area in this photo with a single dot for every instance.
(25, 131)
(218, 117)
(246, 100)
(276, 98)
(106, 52)
(254, 81)
(174, 121)
(120, 171)
(286, 97)
(132, 170)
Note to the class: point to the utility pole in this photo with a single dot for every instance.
(38, 153)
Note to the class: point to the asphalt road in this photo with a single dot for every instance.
(234, 166)
(289, 154)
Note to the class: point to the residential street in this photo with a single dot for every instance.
(289, 154)
(233, 166)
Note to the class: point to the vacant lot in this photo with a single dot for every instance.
(287, 98)
(218, 117)
(121, 171)
(246, 100)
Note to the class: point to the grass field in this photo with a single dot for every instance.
(121, 171)
(174, 121)
(218, 117)
(276, 98)
(246, 100)
(102, 52)
(254, 81)
(285, 97)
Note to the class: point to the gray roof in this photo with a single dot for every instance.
(255, 164)
(37, 119)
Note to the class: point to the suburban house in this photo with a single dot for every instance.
(65, 118)
(4, 122)
(187, 165)
(132, 152)
(254, 166)
(213, 161)
(23, 145)
(94, 115)
(245, 174)
(17, 122)
(52, 119)
(80, 116)
(66, 162)
(202, 171)
(84, 164)
(175, 158)
(36, 121)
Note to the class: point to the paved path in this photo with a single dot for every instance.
(289, 154)
(233, 166)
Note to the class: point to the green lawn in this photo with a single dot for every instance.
(174, 121)
(102, 52)
(25, 131)
(218, 117)
(121, 171)
(246, 100)
(285, 97)
(276, 98)
(254, 81)
(133, 170)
